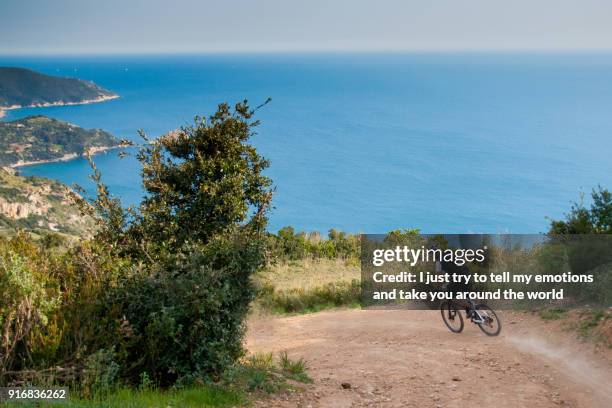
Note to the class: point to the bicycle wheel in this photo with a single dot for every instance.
(491, 325)
(451, 316)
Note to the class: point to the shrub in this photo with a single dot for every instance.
(101, 372)
(188, 320)
(588, 254)
(29, 298)
(198, 237)
(287, 245)
(582, 220)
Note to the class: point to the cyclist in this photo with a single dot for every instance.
(456, 285)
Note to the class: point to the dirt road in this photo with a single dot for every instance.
(407, 358)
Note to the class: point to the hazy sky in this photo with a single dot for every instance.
(115, 26)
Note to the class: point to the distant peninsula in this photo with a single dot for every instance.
(20, 88)
(39, 139)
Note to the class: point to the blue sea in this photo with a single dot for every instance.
(448, 143)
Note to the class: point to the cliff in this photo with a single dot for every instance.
(38, 205)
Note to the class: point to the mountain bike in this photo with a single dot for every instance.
(480, 314)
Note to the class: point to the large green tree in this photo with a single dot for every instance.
(195, 240)
(203, 179)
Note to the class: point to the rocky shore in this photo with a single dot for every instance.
(67, 157)
(101, 98)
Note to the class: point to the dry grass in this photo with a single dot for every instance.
(309, 274)
(308, 286)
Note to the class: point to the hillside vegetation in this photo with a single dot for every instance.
(20, 87)
(39, 206)
(38, 138)
(140, 303)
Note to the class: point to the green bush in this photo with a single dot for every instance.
(197, 237)
(51, 309)
(188, 320)
(582, 220)
(287, 245)
(101, 372)
(29, 298)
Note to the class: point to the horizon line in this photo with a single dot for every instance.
(7, 53)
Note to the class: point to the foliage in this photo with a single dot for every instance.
(307, 285)
(402, 237)
(289, 245)
(202, 396)
(160, 292)
(552, 313)
(592, 323)
(53, 309)
(586, 254)
(590, 320)
(202, 181)
(187, 320)
(198, 236)
(29, 297)
(102, 372)
(294, 369)
(582, 220)
(259, 372)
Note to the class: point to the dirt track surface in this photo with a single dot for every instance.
(408, 358)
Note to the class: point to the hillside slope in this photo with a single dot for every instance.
(20, 87)
(38, 205)
(39, 139)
